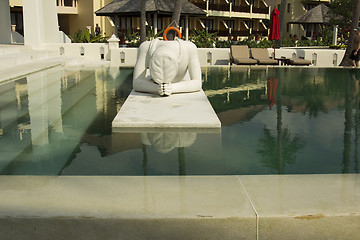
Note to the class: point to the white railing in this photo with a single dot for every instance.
(126, 57)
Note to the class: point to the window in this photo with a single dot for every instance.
(208, 24)
(68, 3)
(308, 6)
(159, 23)
(289, 7)
(125, 22)
(182, 23)
(288, 27)
(250, 24)
(17, 19)
(229, 23)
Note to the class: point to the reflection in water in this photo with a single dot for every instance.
(59, 122)
(311, 144)
(278, 151)
(272, 85)
(164, 142)
(352, 96)
(54, 108)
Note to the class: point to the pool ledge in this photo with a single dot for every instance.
(191, 207)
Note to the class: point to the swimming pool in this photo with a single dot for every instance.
(274, 121)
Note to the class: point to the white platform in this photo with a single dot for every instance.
(148, 112)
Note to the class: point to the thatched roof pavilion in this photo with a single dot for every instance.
(317, 15)
(154, 8)
(313, 20)
(132, 7)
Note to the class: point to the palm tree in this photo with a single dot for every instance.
(354, 24)
(282, 16)
(143, 22)
(177, 12)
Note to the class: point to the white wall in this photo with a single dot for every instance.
(5, 22)
(91, 51)
(324, 57)
(40, 23)
(208, 56)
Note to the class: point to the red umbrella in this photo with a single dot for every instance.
(272, 84)
(274, 26)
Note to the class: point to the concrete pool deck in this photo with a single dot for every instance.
(174, 207)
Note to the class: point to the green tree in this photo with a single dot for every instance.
(354, 23)
(340, 12)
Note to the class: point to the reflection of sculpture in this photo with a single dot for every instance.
(173, 65)
(165, 142)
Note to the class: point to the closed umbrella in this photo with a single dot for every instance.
(274, 27)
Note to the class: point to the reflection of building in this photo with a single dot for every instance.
(44, 115)
(293, 9)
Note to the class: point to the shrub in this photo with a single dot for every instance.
(84, 36)
(203, 39)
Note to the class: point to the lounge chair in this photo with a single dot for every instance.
(298, 61)
(240, 55)
(261, 55)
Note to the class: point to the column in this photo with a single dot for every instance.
(335, 32)
(5, 22)
(187, 28)
(155, 24)
(40, 23)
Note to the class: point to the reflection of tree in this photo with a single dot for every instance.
(356, 94)
(348, 128)
(351, 101)
(315, 101)
(278, 151)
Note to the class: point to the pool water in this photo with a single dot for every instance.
(274, 121)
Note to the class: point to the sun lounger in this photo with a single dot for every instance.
(298, 61)
(261, 55)
(240, 55)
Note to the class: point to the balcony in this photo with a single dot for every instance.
(234, 34)
(260, 10)
(245, 9)
(201, 5)
(263, 32)
(67, 7)
(219, 7)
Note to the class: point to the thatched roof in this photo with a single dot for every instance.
(132, 7)
(317, 15)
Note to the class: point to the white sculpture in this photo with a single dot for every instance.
(173, 66)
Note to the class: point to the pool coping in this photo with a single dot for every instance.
(241, 206)
(302, 206)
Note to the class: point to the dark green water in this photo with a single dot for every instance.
(274, 121)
